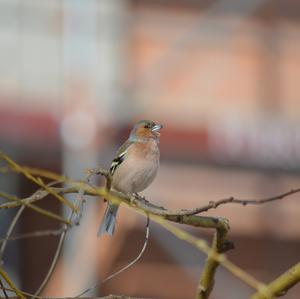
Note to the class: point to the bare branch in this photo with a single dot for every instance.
(206, 282)
(124, 268)
(215, 256)
(78, 207)
(3, 289)
(145, 205)
(10, 230)
(11, 284)
(27, 202)
(218, 257)
(36, 234)
(244, 202)
(136, 259)
(102, 297)
(37, 180)
(282, 284)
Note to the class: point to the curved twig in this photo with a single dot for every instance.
(10, 230)
(124, 268)
(36, 234)
(142, 203)
(3, 289)
(282, 284)
(78, 205)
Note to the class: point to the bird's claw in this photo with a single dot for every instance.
(139, 197)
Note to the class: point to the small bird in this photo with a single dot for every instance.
(134, 167)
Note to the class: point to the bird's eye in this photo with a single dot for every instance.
(147, 126)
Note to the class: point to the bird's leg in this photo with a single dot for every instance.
(139, 197)
(136, 196)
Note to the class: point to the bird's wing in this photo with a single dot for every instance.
(120, 156)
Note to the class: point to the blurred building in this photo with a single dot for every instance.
(222, 76)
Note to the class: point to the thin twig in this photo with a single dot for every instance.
(147, 206)
(39, 194)
(137, 258)
(37, 180)
(102, 297)
(35, 234)
(23, 292)
(244, 202)
(46, 174)
(15, 201)
(215, 204)
(37, 171)
(220, 258)
(11, 284)
(10, 230)
(55, 257)
(282, 284)
(124, 268)
(78, 205)
(3, 289)
(34, 208)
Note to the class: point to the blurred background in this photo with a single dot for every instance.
(222, 76)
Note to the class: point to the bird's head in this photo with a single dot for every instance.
(144, 130)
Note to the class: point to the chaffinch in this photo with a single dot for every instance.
(134, 167)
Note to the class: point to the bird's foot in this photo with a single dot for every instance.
(139, 197)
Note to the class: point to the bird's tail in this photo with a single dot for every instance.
(109, 220)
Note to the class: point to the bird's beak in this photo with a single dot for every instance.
(156, 128)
